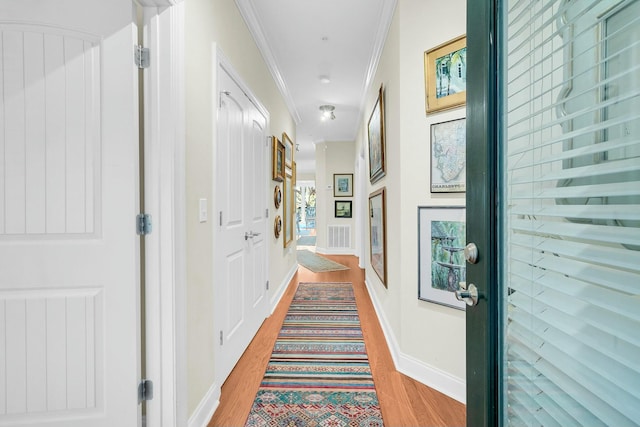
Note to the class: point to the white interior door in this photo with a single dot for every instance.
(241, 249)
(69, 256)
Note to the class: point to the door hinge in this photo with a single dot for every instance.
(266, 213)
(268, 141)
(143, 224)
(267, 285)
(225, 93)
(221, 338)
(145, 390)
(220, 218)
(142, 57)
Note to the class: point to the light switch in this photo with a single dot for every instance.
(202, 209)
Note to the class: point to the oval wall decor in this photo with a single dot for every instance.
(277, 226)
(277, 197)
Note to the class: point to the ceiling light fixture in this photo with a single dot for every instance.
(325, 79)
(327, 112)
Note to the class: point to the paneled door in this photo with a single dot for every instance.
(69, 253)
(553, 205)
(240, 278)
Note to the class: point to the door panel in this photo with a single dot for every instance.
(241, 244)
(68, 195)
(555, 339)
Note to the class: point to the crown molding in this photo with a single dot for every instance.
(386, 17)
(158, 3)
(251, 19)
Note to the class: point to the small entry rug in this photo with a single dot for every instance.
(317, 263)
(307, 241)
(319, 373)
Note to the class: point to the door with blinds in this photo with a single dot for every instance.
(558, 321)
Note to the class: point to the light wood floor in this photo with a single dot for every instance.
(403, 401)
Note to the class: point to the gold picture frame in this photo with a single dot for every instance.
(378, 234)
(288, 150)
(278, 160)
(375, 132)
(445, 74)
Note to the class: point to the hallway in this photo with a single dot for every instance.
(403, 401)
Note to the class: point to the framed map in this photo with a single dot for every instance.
(449, 156)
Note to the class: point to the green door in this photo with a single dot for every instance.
(553, 205)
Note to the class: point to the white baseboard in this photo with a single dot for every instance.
(277, 296)
(203, 413)
(341, 251)
(392, 342)
(431, 376)
(435, 378)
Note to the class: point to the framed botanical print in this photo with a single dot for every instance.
(375, 131)
(445, 74)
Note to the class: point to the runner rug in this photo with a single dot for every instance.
(319, 373)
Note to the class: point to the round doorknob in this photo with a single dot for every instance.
(471, 253)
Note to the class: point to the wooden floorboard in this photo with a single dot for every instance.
(403, 401)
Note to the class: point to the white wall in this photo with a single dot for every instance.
(429, 339)
(212, 25)
(332, 158)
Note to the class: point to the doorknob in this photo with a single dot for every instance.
(467, 294)
(250, 235)
(471, 253)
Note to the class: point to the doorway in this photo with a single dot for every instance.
(306, 214)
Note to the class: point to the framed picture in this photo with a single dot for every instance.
(342, 185)
(288, 211)
(448, 156)
(343, 209)
(278, 159)
(288, 150)
(376, 139)
(378, 234)
(441, 262)
(445, 74)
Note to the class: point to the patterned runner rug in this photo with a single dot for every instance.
(319, 373)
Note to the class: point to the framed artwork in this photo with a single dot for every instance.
(445, 75)
(375, 130)
(342, 185)
(449, 156)
(441, 262)
(378, 234)
(278, 159)
(343, 208)
(277, 197)
(288, 150)
(288, 211)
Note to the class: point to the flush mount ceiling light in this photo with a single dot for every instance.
(327, 112)
(324, 79)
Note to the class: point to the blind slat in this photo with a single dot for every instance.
(582, 211)
(581, 191)
(594, 233)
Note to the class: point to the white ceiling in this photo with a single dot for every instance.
(302, 40)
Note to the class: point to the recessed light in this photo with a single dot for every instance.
(325, 79)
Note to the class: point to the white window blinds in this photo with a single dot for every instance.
(572, 212)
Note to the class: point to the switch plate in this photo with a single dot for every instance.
(202, 210)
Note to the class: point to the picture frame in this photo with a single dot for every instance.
(343, 209)
(376, 137)
(378, 233)
(288, 150)
(441, 262)
(445, 74)
(288, 209)
(448, 156)
(278, 160)
(342, 185)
